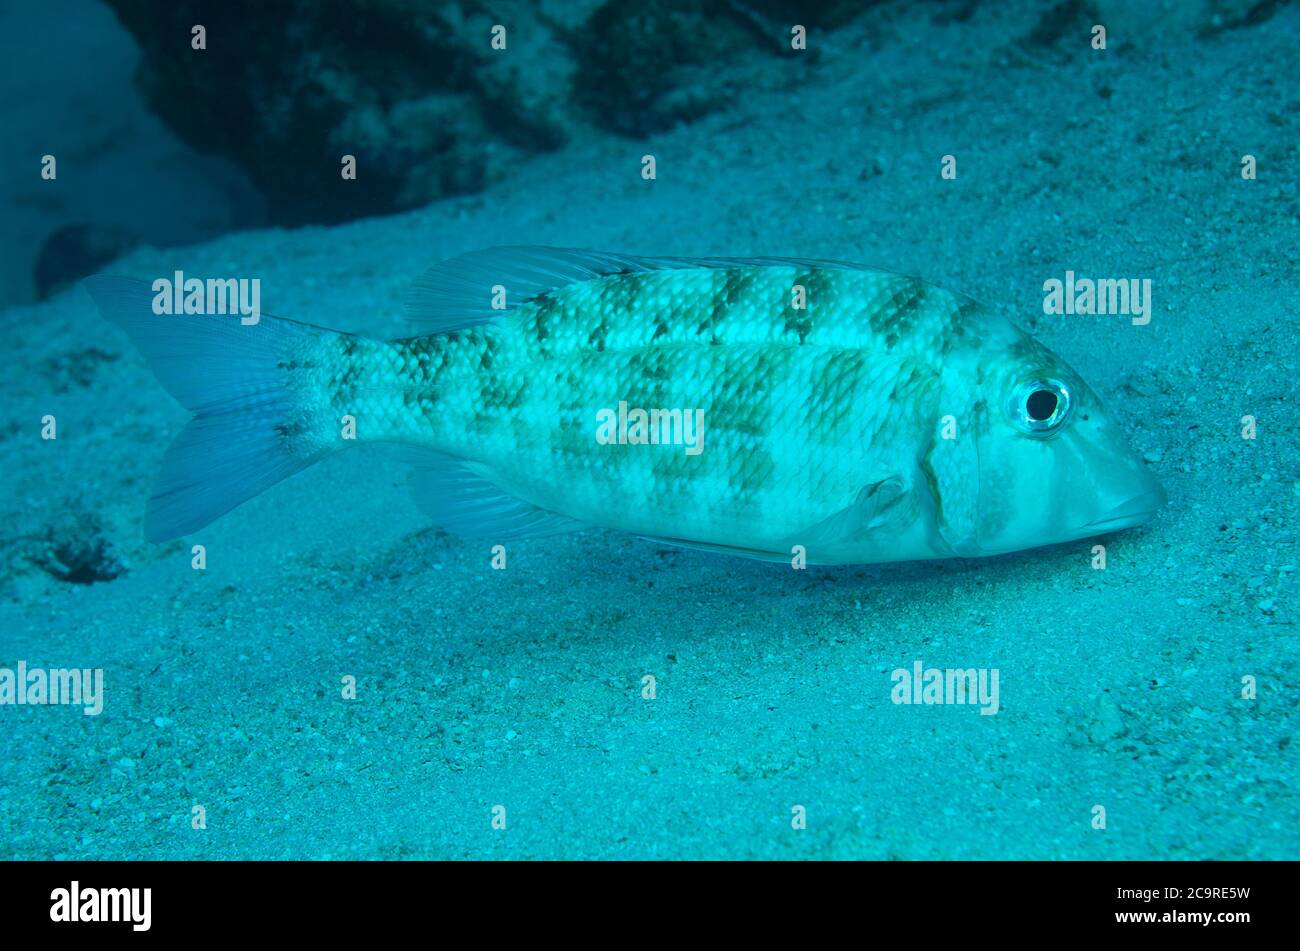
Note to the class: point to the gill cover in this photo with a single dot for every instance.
(951, 467)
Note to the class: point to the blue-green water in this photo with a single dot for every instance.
(342, 680)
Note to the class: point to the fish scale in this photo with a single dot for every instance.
(723, 340)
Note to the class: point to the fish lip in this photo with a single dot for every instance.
(1137, 510)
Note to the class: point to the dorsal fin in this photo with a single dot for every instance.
(457, 293)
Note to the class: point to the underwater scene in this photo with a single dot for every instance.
(612, 429)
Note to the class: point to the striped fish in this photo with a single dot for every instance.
(844, 415)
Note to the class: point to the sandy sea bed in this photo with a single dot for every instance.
(523, 687)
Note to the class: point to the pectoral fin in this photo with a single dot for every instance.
(882, 509)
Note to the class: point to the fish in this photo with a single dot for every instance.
(843, 414)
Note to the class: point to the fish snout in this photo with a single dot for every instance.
(1136, 508)
(1136, 511)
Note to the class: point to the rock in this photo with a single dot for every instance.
(1107, 722)
(419, 95)
(76, 251)
(1237, 14)
(645, 66)
(413, 90)
(76, 550)
(1066, 22)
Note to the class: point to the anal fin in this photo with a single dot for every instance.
(755, 553)
(466, 504)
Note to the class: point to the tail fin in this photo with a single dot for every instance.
(231, 376)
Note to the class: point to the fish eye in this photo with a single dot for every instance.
(1041, 406)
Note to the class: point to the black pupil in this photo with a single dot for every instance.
(1041, 405)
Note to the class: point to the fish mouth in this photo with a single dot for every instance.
(1135, 511)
